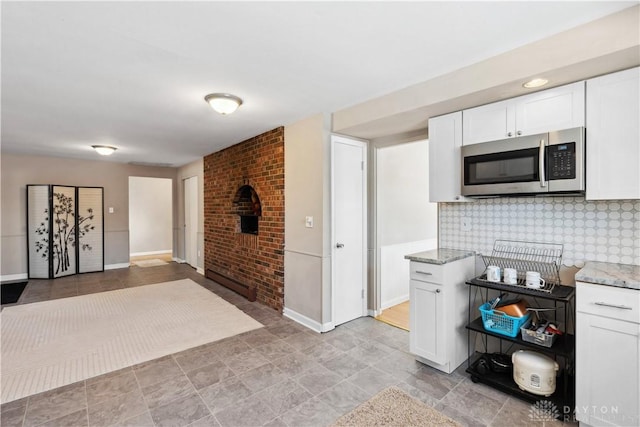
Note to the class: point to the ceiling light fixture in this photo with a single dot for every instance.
(535, 83)
(223, 103)
(104, 150)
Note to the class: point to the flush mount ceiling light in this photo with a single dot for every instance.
(223, 103)
(535, 83)
(104, 150)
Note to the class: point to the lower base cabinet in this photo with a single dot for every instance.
(438, 313)
(607, 356)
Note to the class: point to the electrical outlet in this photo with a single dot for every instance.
(111, 210)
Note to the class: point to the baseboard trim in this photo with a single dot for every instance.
(180, 261)
(14, 277)
(117, 266)
(200, 270)
(25, 276)
(166, 251)
(395, 301)
(374, 313)
(307, 322)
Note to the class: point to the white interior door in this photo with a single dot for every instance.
(349, 229)
(191, 221)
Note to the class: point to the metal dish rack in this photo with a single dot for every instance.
(544, 258)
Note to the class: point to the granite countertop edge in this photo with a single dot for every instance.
(610, 274)
(439, 256)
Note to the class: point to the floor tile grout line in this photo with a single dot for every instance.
(143, 398)
(86, 402)
(198, 391)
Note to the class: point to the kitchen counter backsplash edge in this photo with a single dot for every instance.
(610, 274)
(440, 256)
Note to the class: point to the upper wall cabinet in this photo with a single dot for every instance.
(613, 136)
(548, 110)
(445, 141)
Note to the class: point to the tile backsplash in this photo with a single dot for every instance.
(606, 231)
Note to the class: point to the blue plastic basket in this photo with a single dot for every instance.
(501, 323)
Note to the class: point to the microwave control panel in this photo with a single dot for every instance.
(561, 161)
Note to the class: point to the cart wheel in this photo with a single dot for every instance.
(474, 379)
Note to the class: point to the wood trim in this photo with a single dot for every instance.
(240, 288)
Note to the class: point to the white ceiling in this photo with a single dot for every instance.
(134, 74)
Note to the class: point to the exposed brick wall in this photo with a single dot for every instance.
(257, 261)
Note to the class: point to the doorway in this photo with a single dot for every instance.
(349, 229)
(406, 222)
(150, 219)
(191, 221)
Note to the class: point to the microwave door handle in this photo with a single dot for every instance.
(543, 179)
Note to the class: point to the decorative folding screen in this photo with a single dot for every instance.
(65, 230)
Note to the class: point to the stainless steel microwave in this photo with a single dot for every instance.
(546, 163)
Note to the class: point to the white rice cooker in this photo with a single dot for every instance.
(534, 372)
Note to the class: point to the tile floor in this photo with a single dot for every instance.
(279, 375)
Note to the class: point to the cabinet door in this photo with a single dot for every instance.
(445, 174)
(607, 382)
(488, 122)
(427, 328)
(549, 110)
(613, 136)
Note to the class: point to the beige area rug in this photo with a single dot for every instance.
(393, 407)
(154, 262)
(53, 343)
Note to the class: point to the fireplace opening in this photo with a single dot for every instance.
(248, 207)
(249, 224)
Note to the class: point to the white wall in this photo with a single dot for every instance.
(406, 221)
(150, 215)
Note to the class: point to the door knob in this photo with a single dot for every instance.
(340, 245)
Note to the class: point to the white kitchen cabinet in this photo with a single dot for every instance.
(438, 312)
(430, 298)
(548, 110)
(607, 355)
(445, 173)
(613, 136)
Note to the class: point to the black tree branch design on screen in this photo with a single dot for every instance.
(64, 232)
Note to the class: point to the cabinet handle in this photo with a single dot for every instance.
(424, 272)
(519, 132)
(509, 133)
(622, 307)
(438, 291)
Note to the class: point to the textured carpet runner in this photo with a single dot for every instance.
(49, 344)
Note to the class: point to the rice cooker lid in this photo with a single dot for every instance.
(534, 360)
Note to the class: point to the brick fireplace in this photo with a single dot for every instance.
(244, 217)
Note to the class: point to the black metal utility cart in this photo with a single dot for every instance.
(558, 299)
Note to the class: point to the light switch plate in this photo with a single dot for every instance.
(308, 221)
(111, 210)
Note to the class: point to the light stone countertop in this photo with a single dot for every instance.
(610, 274)
(439, 256)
